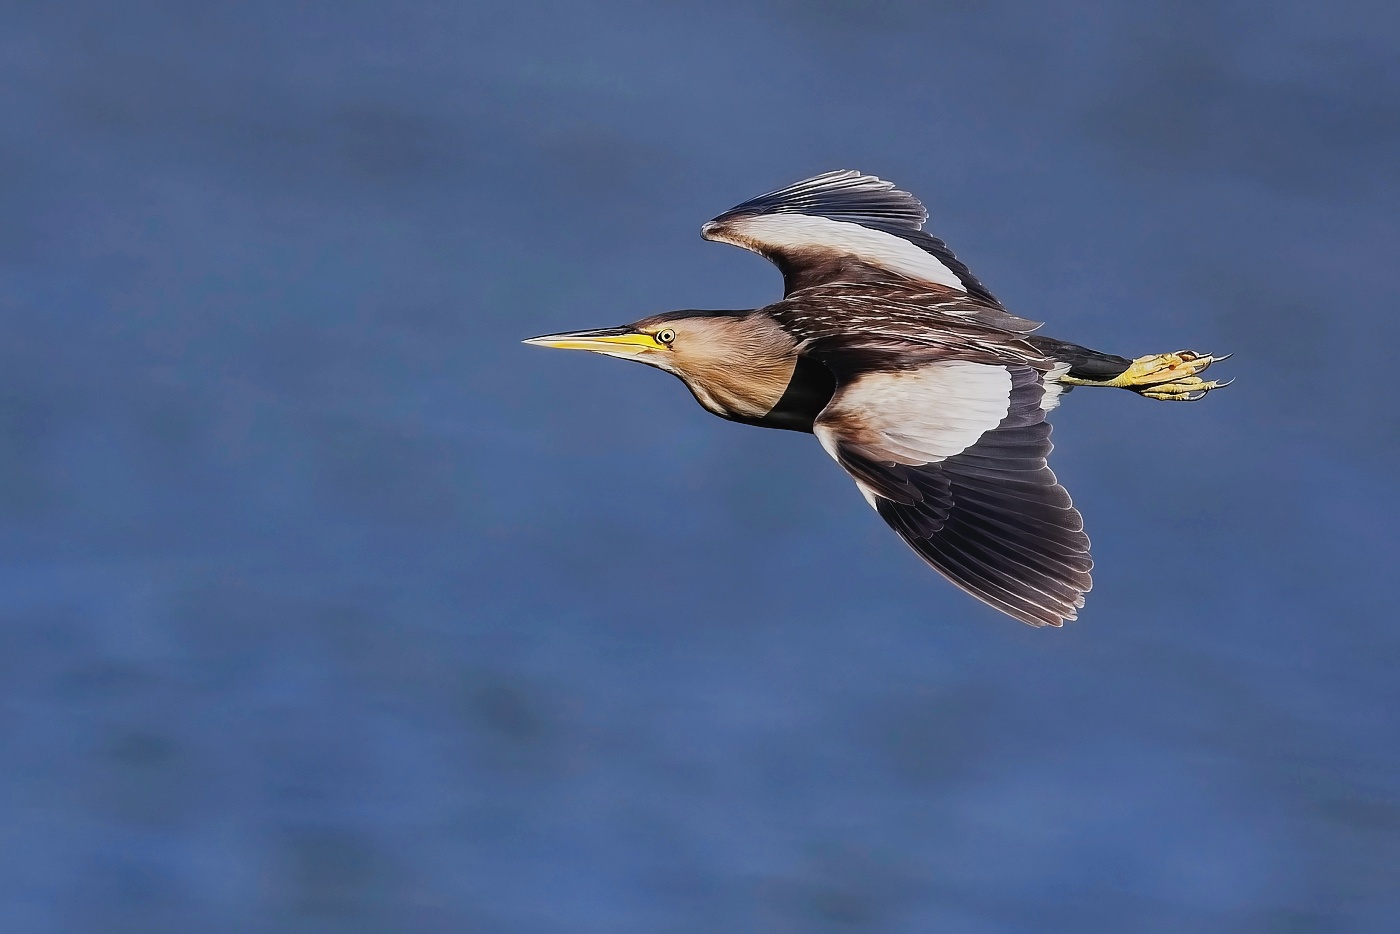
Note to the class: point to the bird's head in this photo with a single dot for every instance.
(687, 343)
(734, 362)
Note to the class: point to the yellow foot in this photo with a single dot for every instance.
(1187, 389)
(1168, 376)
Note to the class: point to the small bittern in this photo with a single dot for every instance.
(929, 393)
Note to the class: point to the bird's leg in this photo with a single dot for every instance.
(1168, 376)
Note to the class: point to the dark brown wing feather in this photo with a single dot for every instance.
(908, 316)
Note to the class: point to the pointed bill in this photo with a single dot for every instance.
(615, 342)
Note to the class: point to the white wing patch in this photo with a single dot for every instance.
(1052, 386)
(917, 417)
(783, 233)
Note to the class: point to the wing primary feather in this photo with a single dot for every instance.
(958, 570)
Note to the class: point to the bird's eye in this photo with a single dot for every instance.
(665, 336)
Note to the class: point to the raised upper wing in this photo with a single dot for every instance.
(952, 455)
(817, 230)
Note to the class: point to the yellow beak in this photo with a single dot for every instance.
(616, 342)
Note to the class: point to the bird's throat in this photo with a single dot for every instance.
(791, 402)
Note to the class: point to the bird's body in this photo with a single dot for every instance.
(929, 393)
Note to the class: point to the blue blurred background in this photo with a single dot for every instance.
(327, 606)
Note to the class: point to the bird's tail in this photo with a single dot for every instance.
(1173, 377)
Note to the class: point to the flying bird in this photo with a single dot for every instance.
(913, 377)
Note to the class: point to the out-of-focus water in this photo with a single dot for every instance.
(327, 606)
